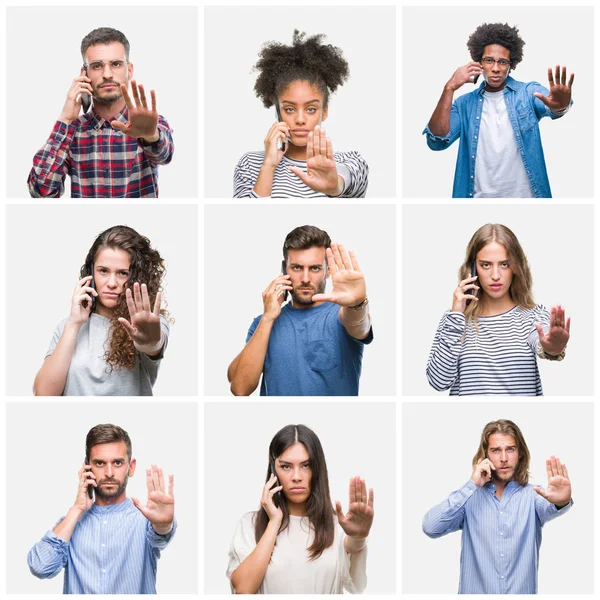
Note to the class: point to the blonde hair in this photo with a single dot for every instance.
(506, 427)
(520, 288)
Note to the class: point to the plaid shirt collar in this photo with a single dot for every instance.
(93, 120)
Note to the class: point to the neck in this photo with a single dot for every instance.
(297, 510)
(301, 305)
(296, 152)
(496, 306)
(500, 485)
(100, 501)
(103, 311)
(108, 111)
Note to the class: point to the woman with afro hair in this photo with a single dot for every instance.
(116, 334)
(298, 158)
(500, 153)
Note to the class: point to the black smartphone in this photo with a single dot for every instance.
(276, 495)
(90, 486)
(475, 79)
(92, 284)
(280, 144)
(284, 272)
(473, 274)
(86, 100)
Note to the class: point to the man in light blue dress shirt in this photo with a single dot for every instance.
(500, 514)
(110, 544)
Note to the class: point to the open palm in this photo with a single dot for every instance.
(160, 506)
(558, 490)
(357, 522)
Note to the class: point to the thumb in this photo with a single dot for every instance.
(339, 512)
(322, 298)
(541, 492)
(301, 174)
(540, 331)
(543, 98)
(127, 325)
(138, 504)
(118, 125)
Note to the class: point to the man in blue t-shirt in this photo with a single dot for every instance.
(313, 345)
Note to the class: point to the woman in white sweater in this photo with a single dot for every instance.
(297, 543)
(298, 160)
(490, 340)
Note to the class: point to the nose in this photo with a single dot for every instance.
(300, 117)
(495, 273)
(112, 281)
(107, 71)
(305, 276)
(297, 476)
(504, 456)
(496, 67)
(109, 470)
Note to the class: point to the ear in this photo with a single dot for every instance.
(132, 465)
(325, 113)
(129, 71)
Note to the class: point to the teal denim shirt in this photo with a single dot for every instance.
(524, 111)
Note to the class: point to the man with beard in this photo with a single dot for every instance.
(501, 515)
(313, 345)
(109, 545)
(112, 151)
(500, 153)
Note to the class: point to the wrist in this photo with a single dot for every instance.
(149, 140)
(65, 120)
(151, 349)
(75, 512)
(162, 529)
(73, 325)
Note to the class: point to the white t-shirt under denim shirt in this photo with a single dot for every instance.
(90, 375)
(499, 168)
(290, 570)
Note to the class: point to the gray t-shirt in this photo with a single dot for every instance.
(89, 374)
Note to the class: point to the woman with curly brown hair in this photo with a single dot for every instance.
(298, 158)
(115, 337)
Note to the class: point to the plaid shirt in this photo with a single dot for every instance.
(101, 161)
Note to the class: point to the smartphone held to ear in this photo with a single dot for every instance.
(280, 144)
(471, 292)
(285, 293)
(276, 495)
(86, 101)
(92, 284)
(90, 488)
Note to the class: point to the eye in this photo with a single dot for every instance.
(99, 463)
(96, 66)
(485, 265)
(124, 274)
(118, 463)
(317, 269)
(116, 64)
(311, 110)
(306, 466)
(284, 467)
(505, 265)
(288, 110)
(296, 268)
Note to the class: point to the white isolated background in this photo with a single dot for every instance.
(46, 247)
(558, 242)
(553, 35)
(362, 113)
(243, 254)
(45, 447)
(163, 44)
(438, 445)
(236, 451)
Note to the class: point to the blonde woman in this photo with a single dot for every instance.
(490, 340)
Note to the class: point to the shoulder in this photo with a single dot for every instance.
(469, 97)
(82, 121)
(349, 157)
(539, 310)
(252, 159)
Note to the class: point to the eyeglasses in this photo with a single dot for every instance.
(502, 62)
(98, 65)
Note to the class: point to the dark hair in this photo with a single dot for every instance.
(506, 427)
(104, 35)
(304, 237)
(319, 511)
(106, 434)
(496, 33)
(146, 266)
(307, 59)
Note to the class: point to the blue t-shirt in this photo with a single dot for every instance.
(311, 354)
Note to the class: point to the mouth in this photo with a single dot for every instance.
(297, 490)
(111, 294)
(300, 132)
(495, 78)
(496, 286)
(109, 85)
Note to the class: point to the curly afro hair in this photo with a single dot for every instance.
(307, 59)
(496, 33)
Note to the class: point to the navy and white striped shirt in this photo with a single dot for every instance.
(500, 357)
(351, 166)
(113, 550)
(501, 538)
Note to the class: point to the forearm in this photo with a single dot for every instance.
(159, 148)
(52, 377)
(356, 322)
(354, 545)
(264, 182)
(448, 516)
(439, 124)
(152, 350)
(245, 371)
(247, 578)
(442, 366)
(64, 530)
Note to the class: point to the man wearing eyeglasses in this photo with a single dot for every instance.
(500, 153)
(312, 346)
(114, 150)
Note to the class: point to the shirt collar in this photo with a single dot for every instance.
(511, 84)
(97, 122)
(112, 508)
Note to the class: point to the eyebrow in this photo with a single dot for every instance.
(309, 266)
(108, 268)
(498, 447)
(294, 103)
(96, 460)
(285, 462)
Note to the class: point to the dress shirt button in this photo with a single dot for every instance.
(471, 176)
(501, 512)
(474, 137)
(501, 533)
(502, 555)
(501, 576)
(103, 545)
(104, 522)
(480, 100)
(477, 118)
(104, 570)
(473, 156)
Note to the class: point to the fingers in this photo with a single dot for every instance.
(371, 497)
(571, 80)
(338, 510)
(568, 326)
(363, 491)
(563, 77)
(540, 331)
(126, 96)
(161, 480)
(543, 98)
(557, 75)
(322, 298)
(171, 486)
(137, 296)
(329, 149)
(130, 303)
(322, 141)
(118, 125)
(157, 303)
(149, 480)
(548, 468)
(352, 491)
(354, 260)
(153, 99)
(135, 92)
(310, 145)
(143, 96)
(144, 296)
(155, 478)
(550, 77)
(141, 507)
(541, 492)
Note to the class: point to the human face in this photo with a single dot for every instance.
(301, 107)
(106, 80)
(308, 272)
(495, 76)
(111, 273)
(112, 470)
(494, 271)
(504, 454)
(294, 473)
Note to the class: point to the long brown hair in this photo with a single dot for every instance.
(506, 427)
(147, 267)
(319, 511)
(520, 287)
